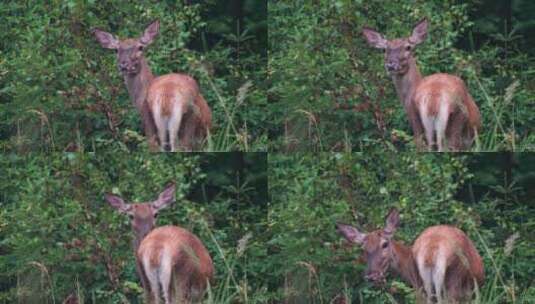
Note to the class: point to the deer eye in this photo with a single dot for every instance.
(385, 244)
(130, 216)
(140, 48)
(408, 48)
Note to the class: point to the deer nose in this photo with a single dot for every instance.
(373, 276)
(391, 66)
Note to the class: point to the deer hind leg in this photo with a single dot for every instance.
(427, 278)
(458, 283)
(428, 118)
(196, 295)
(439, 272)
(149, 127)
(152, 276)
(467, 137)
(455, 132)
(165, 279)
(161, 127)
(417, 127)
(429, 128)
(144, 282)
(174, 126)
(188, 132)
(441, 124)
(182, 291)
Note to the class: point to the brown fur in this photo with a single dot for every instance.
(166, 254)
(197, 119)
(196, 126)
(463, 264)
(464, 118)
(167, 89)
(145, 90)
(191, 260)
(430, 255)
(405, 265)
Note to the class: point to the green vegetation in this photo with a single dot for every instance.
(58, 236)
(330, 92)
(60, 91)
(69, 133)
(489, 196)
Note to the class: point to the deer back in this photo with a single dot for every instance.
(169, 88)
(172, 90)
(172, 246)
(457, 252)
(445, 90)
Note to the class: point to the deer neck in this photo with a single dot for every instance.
(136, 242)
(404, 264)
(138, 84)
(406, 84)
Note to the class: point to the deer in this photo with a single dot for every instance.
(442, 262)
(438, 106)
(169, 257)
(171, 106)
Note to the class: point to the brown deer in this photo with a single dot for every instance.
(442, 262)
(438, 105)
(170, 105)
(167, 256)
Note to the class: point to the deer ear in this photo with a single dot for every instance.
(166, 197)
(374, 38)
(117, 202)
(392, 223)
(150, 33)
(419, 33)
(351, 233)
(106, 40)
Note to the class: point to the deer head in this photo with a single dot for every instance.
(397, 51)
(143, 215)
(377, 246)
(129, 51)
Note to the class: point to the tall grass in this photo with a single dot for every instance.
(36, 282)
(229, 136)
(38, 132)
(498, 131)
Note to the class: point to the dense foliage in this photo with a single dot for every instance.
(58, 236)
(61, 91)
(330, 92)
(68, 130)
(489, 196)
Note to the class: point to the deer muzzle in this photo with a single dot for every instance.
(378, 278)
